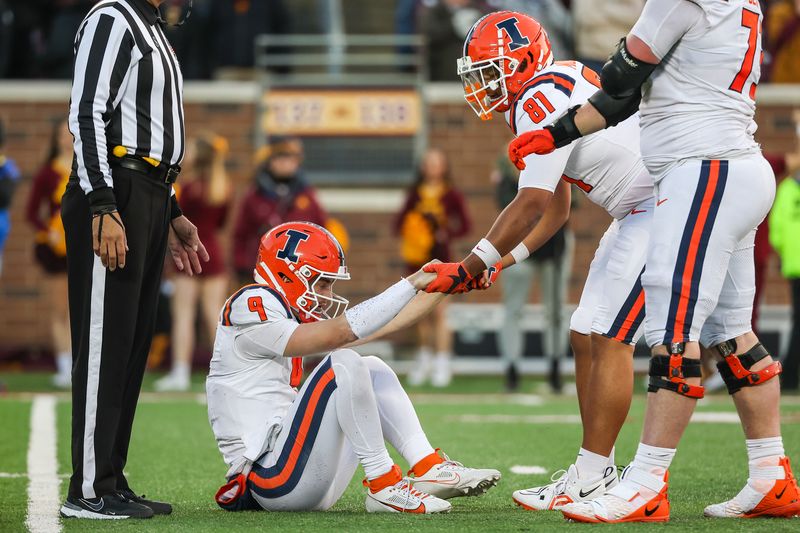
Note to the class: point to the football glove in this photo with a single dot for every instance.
(451, 278)
(530, 142)
(486, 279)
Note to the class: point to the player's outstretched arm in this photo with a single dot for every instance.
(360, 321)
(554, 217)
(511, 226)
(417, 309)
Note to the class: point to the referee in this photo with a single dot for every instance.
(120, 215)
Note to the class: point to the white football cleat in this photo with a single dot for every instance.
(385, 495)
(451, 479)
(639, 497)
(565, 488)
(782, 499)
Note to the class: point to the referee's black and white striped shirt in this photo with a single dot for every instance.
(126, 91)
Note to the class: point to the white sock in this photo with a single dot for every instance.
(611, 459)
(761, 448)
(590, 465)
(424, 355)
(399, 420)
(181, 371)
(764, 457)
(64, 363)
(357, 412)
(653, 459)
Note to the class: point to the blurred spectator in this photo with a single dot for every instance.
(446, 24)
(784, 228)
(50, 249)
(9, 176)
(433, 216)
(280, 194)
(6, 37)
(238, 22)
(783, 41)
(205, 198)
(552, 15)
(553, 261)
(599, 25)
(191, 41)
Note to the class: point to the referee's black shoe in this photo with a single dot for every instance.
(108, 507)
(157, 507)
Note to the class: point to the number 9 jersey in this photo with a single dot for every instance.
(700, 101)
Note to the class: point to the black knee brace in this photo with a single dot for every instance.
(670, 372)
(735, 369)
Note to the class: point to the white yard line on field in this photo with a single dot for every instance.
(43, 484)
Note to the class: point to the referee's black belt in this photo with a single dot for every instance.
(163, 173)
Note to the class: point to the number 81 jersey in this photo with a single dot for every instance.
(607, 165)
(699, 103)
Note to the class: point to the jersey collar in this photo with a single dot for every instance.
(147, 10)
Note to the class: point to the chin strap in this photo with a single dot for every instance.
(670, 372)
(735, 369)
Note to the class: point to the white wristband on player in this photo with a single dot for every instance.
(487, 252)
(520, 253)
(371, 315)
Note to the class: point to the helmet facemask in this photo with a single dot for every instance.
(485, 87)
(315, 304)
(310, 305)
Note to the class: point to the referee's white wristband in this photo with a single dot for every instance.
(487, 252)
(520, 253)
(371, 315)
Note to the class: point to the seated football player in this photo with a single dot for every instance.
(508, 67)
(290, 450)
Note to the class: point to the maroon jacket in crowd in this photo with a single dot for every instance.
(264, 208)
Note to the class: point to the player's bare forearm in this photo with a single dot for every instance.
(589, 120)
(319, 337)
(512, 225)
(554, 217)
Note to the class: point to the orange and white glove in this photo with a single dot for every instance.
(451, 278)
(531, 142)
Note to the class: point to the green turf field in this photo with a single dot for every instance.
(173, 457)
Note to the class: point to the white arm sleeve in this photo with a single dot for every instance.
(664, 22)
(368, 317)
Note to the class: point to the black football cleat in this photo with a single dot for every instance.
(108, 507)
(161, 508)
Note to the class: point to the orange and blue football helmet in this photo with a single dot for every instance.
(293, 258)
(502, 51)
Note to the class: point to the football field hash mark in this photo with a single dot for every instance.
(528, 469)
(43, 482)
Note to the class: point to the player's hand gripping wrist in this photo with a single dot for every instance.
(451, 278)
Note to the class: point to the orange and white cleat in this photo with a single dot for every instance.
(639, 497)
(782, 499)
(392, 493)
(447, 479)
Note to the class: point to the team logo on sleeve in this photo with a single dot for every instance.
(289, 250)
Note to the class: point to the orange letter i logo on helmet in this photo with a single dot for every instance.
(288, 252)
(509, 26)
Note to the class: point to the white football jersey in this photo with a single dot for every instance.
(699, 103)
(251, 385)
(606, 165)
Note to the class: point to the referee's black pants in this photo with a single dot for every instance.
(112, 318)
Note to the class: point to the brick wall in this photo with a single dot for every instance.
(472, 145)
